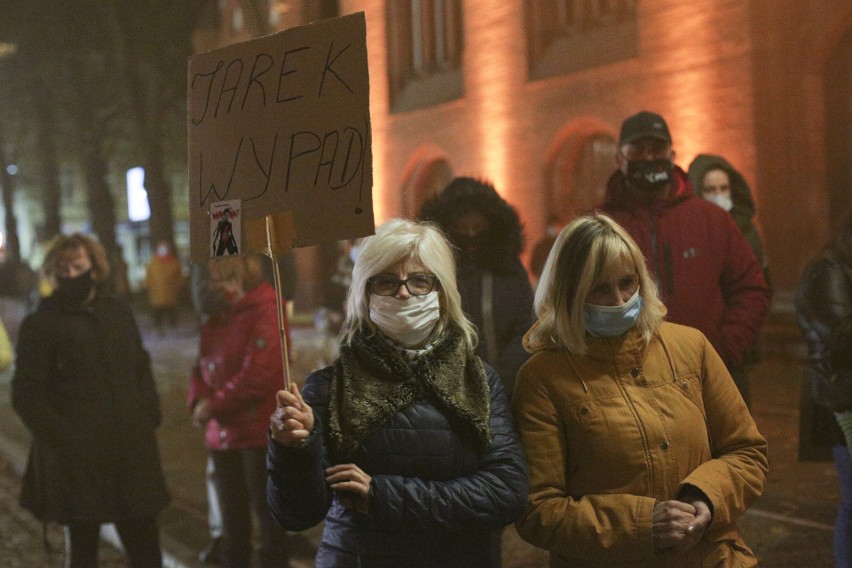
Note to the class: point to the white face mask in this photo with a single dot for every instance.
(723, 201)
(408, 322)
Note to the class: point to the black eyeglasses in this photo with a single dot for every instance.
(417, 285)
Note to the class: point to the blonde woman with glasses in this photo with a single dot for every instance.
(405, 445)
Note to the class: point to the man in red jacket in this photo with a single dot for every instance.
(708, 276)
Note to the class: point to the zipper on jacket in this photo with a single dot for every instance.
(658, 275)
(667, 260)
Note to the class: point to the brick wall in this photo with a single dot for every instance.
(730, 76)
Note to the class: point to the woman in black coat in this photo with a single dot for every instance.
(83, 387)
(824, 310)
(406, 444)
(496, 295)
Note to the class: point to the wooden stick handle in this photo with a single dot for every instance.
(279, 302)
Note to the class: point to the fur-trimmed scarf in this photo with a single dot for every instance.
(373, 381)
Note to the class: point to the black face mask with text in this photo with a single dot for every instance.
(75, 290)
(649, 175)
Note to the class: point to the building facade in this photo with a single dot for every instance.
(530, 95)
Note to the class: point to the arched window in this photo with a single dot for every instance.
(577, 171)
(564, 36)
(424, 39)
(427, 173)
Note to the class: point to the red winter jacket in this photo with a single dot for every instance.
(239, 371)
(708, 276)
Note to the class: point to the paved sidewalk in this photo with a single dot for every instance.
(791, 526)
(22, 545)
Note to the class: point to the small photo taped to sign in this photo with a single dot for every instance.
(225, 233)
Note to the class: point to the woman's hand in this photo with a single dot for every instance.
(293, 420)
(696, 529)
(352, 486)
(201, 412)
(670, 525)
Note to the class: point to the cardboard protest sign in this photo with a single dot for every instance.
(282, 124)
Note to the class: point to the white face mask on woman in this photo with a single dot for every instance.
(723, 201)
(408, 322)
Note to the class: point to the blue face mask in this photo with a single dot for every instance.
(612, 321)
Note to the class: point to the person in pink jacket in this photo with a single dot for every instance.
(232, 393)
(707, 274)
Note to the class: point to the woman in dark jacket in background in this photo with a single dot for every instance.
(495, 289)
(83, 387)
(406, 444)
(824, 310)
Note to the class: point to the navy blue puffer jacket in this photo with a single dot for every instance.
(436, 501)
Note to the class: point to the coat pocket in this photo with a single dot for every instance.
(587, 416)
(41, 490)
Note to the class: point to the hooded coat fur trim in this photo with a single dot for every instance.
(501, 242)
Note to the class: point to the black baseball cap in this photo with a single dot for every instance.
(644, 124)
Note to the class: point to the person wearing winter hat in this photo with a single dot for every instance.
(707, 274)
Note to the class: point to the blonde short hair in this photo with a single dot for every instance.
(245, 269)
(394, 241)
(64, 246)
(584, 249)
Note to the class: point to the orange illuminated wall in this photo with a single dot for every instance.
(732, 77)
(700, 80)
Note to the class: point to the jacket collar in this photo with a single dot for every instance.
(373, 381)
(623, 349)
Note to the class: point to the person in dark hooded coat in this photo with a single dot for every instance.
(736, 198)
(495, 289)
(717, 181)
(824, 312)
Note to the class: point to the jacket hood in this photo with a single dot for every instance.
(502, 241)
(740, 192)
(621, 197)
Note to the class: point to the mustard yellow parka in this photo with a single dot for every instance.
(609, 433)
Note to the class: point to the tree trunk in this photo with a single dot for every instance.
(160, 225)
(102, 209)
(52, 191)
(13, 245)
(95, 169)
